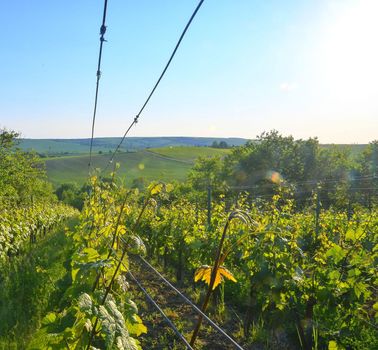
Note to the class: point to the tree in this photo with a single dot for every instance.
(275, 159)
(22, 174)
(223, 144)
(71, 194)
(207, 172)
(293, 160)
(368, 172)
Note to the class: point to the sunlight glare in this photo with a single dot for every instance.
(350, 52)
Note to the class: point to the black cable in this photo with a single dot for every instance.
(152, 301)
(167, 319)
(98, 74)
(189, 302)
(157, 82)
(119, 145)
(308, 182)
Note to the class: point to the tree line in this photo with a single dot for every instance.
(337, 175)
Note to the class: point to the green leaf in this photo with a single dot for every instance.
(359, 288)
(130, 307)
(49, 318)
(74, 274)
(336, 252)
(375, 308)
(91, 254)
(169, 188)
(136, 326)
(351, 235)
(334, 275)
(354, 273)
(85, 303)
(155, 188)
(354, 235)
(113, 327)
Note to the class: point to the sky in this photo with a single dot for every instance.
(307, 68)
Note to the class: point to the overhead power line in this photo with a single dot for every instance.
(98, 74)
(136, 118)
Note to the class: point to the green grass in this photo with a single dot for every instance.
(189, 154)
(106, 144)
(31, 285)
(165, 164)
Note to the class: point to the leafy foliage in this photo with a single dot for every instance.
(25, 223)
(22, 175)
(319, 285)
(99, 312)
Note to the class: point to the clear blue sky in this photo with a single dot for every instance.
(303, 67)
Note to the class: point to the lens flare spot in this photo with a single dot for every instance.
(240, 176)
(275, 177)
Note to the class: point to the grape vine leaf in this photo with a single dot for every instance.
(336, 252)
(204, 273)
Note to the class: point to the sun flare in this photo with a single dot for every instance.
(349, 54)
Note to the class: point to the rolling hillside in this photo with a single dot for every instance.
(106, 144)
(166, 164)
(188, 154)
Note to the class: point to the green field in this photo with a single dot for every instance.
(189, 154)
(54, 147)
(166, 164)
(163, 163)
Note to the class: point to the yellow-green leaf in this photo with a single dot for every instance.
(336, 252)
(155, 188)
(227, 274)
(136, 327)
(351, 235)
(200, 273)
(204, 272)
(49, 318)
(74, 273)
(169, 188)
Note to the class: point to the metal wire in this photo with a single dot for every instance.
(157, 82)
(98, 74)
(188, 301)
(311, 182)
(167, 319)
(119, 145)
(195, 307)
(152, 301)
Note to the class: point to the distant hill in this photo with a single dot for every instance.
(152, 158)
(107, 144)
